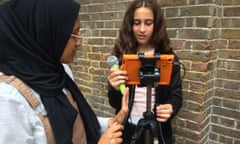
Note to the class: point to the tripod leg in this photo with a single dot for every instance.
(148, 137)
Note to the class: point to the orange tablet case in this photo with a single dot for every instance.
(132, 63)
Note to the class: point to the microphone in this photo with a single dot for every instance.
(113, 63)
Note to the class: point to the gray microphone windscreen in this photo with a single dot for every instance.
(112, 60)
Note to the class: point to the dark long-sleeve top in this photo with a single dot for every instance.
(165, 94)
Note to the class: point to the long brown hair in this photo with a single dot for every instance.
(126, 42)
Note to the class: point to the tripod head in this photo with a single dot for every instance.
(149, 73)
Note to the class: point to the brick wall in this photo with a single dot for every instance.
(206, 36)
(225, 117)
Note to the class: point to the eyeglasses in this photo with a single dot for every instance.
(77, 36)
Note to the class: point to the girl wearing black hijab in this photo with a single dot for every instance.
(36, 37)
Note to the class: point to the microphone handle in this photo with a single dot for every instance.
(122, 86)
(115, 66)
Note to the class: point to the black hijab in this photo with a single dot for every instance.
(33, 35)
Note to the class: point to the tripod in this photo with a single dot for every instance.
(148, 126)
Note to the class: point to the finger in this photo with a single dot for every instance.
(116, 141)
(166, 108)
(120, 81)
(119, 73)
(125, 101)
(164, 115)
(161, 119)
(117, 134)
(119, 78)
(122, 77)
(115, 82)
(126, 93)
(125, 98)
(113, 72)
(164, 112)
(116, 127)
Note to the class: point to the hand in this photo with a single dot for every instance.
(122, 114)
(113, 135)
(117, 77)
(164, 112)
